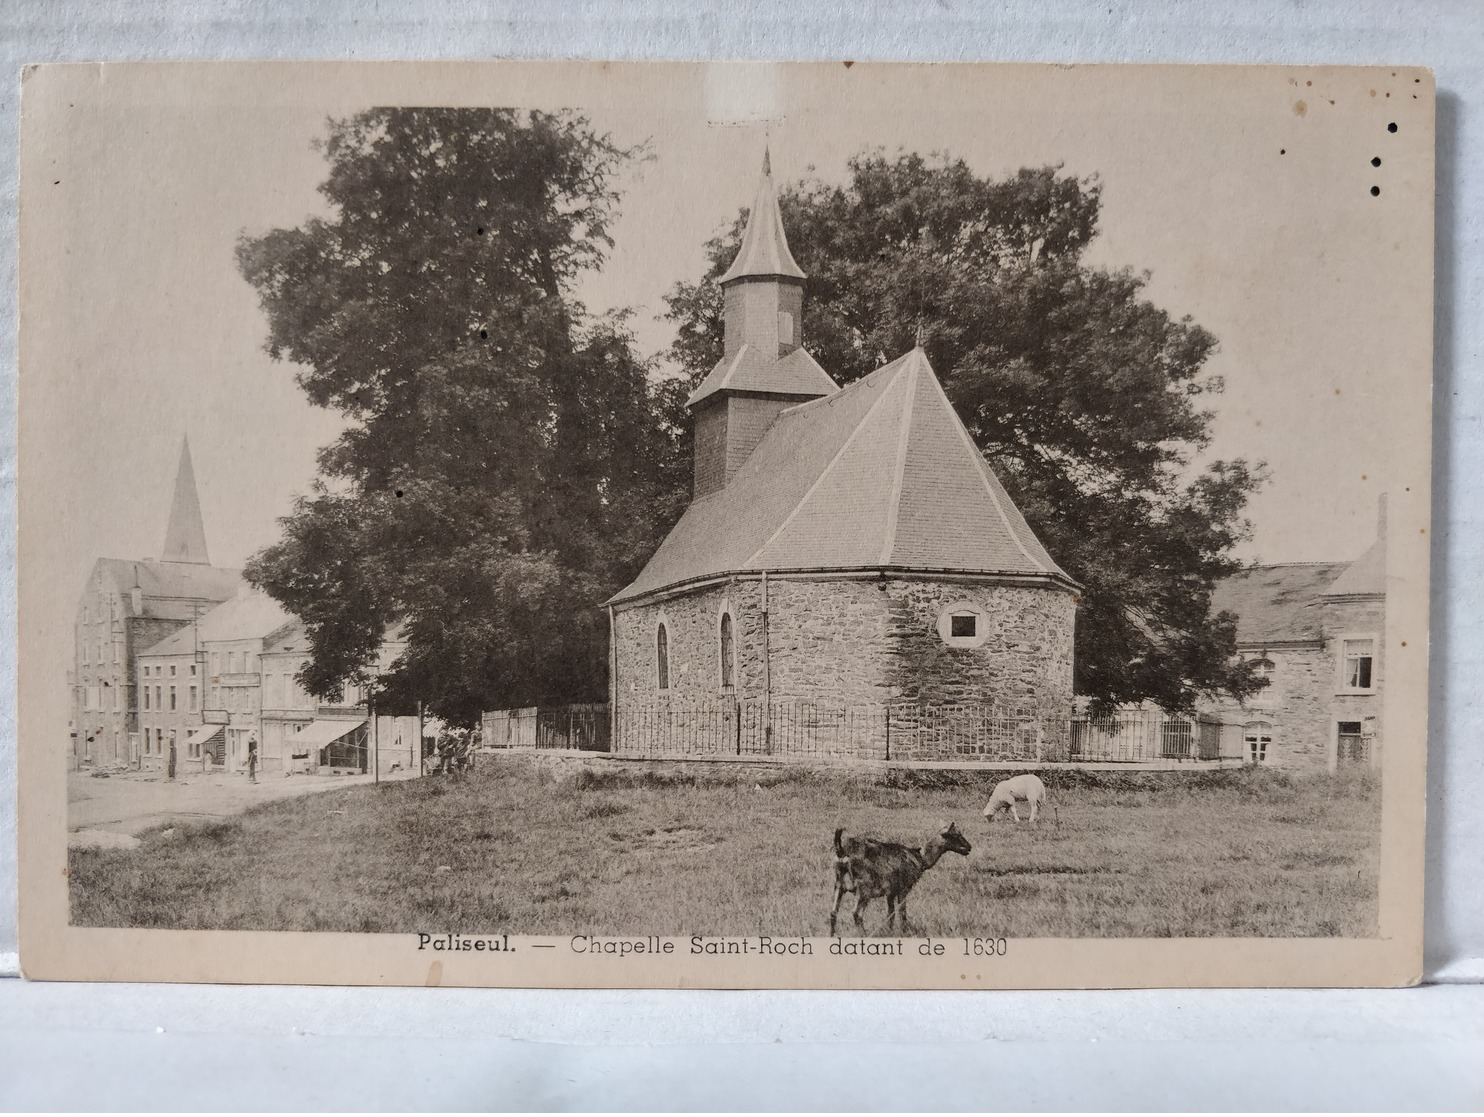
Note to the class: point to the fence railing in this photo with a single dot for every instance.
(584, 727)
(898, 731)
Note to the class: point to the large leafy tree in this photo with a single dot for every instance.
(506, 463)
(1085, 397)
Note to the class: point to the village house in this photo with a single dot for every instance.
(844, 548)
(232, 638)
(1316, 632)
(127, 606)
(305, 734)
(170, 701)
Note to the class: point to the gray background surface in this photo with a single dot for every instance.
(193, 1047)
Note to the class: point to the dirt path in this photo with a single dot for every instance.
(109, 812)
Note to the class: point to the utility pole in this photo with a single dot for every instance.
(375, 735)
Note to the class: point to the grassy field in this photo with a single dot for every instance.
(518, 847)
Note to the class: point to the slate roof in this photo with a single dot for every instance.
(764, 251)
(879, 475)
(170, 588)
(185, 536)
(248, 616)
(1366, 575)
(1277, 604)
(747, 370)
(180, 642)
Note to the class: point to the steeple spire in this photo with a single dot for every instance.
(764, 252)
(185, 537)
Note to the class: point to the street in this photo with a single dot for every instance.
(110, 811)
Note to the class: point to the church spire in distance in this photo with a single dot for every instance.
(185, 537)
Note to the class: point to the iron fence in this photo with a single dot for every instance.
(897, 731)
(1145, 735)
(585, 727)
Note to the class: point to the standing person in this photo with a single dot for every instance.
(170, 770)
(252, 758)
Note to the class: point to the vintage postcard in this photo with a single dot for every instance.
(737, 525)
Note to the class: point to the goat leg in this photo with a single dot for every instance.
(839, 895)
(860, 906)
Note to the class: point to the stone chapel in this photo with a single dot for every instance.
(848, 547)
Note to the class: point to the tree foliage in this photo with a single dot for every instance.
(1086, 398)
(506, 464)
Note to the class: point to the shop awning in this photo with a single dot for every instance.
(318, 734)
(204, 734)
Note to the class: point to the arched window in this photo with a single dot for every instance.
(728, 654)
(1257, 736)
(662, 655)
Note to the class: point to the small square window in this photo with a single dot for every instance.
(964, 624)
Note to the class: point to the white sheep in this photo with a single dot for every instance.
(1026, 788)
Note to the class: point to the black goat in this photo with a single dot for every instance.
(871, 868)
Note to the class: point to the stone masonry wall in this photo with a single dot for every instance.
(854, 643)
(1025, 662)
(1303, 703)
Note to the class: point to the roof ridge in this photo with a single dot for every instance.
(904, 438)
(980, 463)
(839, 393)
(1307, 562)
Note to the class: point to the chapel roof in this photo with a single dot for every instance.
(764, 252)
(880, 475)
(1277, 604)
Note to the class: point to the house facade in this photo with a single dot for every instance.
(846, 548)
(232, 638)
(1316, 632)
(170, 700)
(126, 607)
(302, 733)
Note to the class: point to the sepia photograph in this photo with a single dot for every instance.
(724, 524)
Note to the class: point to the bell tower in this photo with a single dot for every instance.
(764, 367)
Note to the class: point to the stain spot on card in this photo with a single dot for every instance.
(1300, 108)
(849, 64)
(435, 975)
